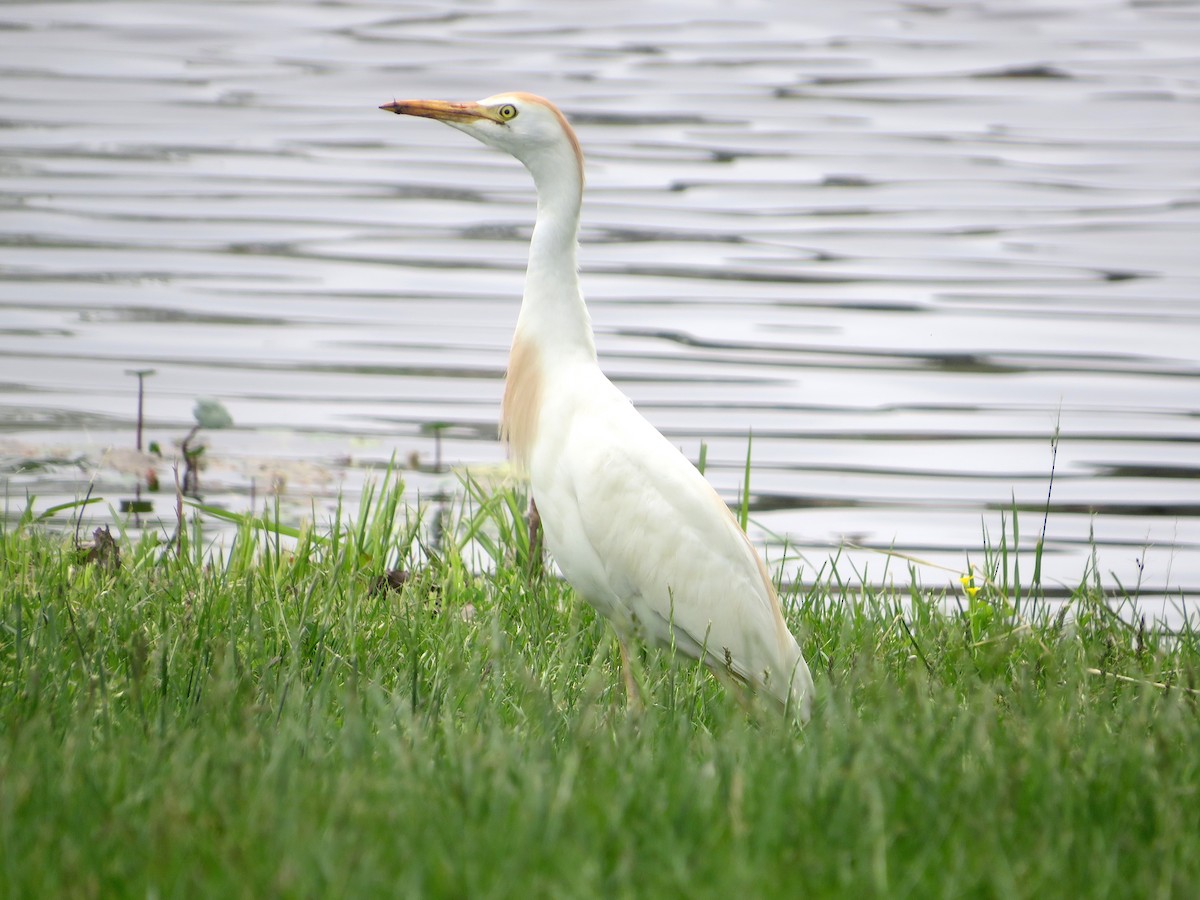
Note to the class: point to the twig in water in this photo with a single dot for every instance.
(141, 377)
(191, 467)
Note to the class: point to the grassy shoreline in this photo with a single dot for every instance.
(275, 723)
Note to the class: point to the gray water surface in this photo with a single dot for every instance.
(902, 244)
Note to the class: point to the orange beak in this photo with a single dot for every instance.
(442, 110)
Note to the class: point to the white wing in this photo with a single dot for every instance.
(642, 536)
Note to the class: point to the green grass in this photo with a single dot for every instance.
(270, 723)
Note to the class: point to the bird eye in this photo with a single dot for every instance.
(507, 111)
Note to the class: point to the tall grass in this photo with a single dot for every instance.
(277, 722)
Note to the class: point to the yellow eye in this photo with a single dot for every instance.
(507, 111)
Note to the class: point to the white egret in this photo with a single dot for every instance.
(635, 528)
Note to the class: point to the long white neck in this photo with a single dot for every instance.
(553, 327)
(553, 315)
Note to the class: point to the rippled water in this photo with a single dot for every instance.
(904, 244)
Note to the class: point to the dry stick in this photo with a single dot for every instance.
(1157, 684)
(191, 478)
(141, 377)
(178, 539)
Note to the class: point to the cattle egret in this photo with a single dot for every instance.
(635, 528)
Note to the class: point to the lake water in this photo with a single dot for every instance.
(902, 243)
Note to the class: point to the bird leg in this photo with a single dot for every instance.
(633, 696)
(535, 538)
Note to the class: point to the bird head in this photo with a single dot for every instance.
(526, 126)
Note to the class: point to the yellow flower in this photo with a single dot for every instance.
(968, 583)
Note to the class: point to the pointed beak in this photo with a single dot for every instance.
(442, 110)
